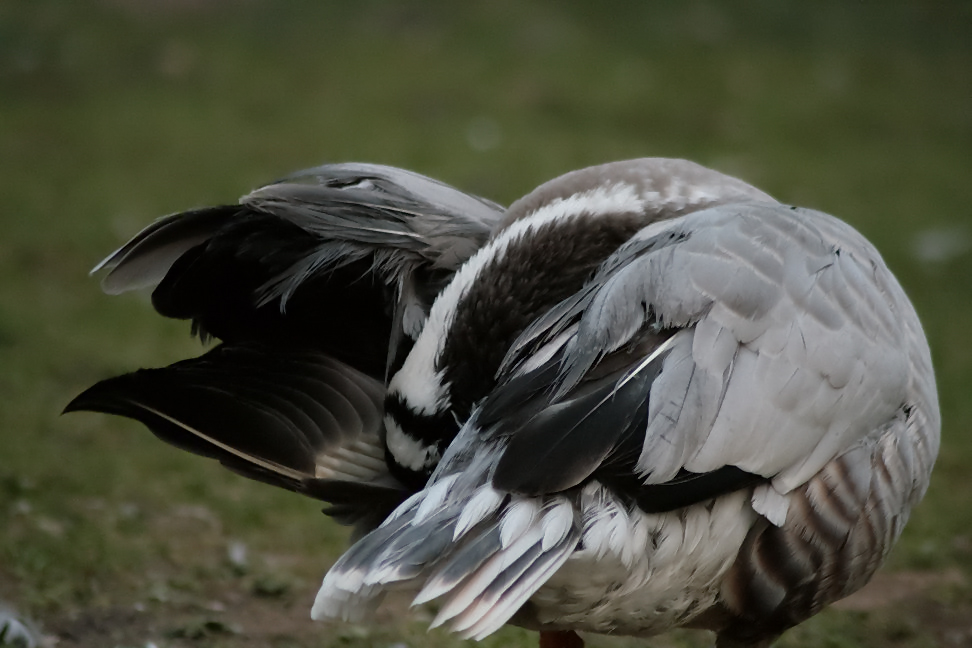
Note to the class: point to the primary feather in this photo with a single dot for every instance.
(645, 396)
(316, 286)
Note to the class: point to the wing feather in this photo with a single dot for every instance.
(297, 419)
(724, 354)
(768, 371)
(372, 242)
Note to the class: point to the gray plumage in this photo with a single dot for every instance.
(397, 220)
(354, 208)
(648, 394)
(776, 344)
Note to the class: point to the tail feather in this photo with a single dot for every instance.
(481, 555)
(446, 577)
(462, 600)
(501, 600)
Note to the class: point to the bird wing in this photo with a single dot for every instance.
(296, 419)
(745, 344)
(316, 285)
(346, 258)
(749, 339)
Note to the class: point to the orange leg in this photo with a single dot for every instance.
(561, 639)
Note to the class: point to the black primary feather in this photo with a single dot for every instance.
(342, 258)
(595, 431)
(272, 415)
(683, 490)
(317, 286)
(345, 312)
(565, 442)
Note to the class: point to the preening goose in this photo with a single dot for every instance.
(644, 396)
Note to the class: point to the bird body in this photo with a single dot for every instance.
(645, 396)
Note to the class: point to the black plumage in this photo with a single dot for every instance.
(316, 287)
(223, 286)
(595, 410)
(272, 416)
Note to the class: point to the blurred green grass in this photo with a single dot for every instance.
(114, 112)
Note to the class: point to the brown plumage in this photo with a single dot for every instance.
(645, 396)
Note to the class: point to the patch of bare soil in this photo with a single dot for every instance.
(245, 622)
(887, 589)
(237, 612)
(198, 593)
(198, 610)
(918, 601)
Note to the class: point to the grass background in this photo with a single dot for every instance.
(114, 112)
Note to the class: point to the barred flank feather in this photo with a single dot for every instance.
(645, 396)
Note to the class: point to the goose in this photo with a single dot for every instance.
(644, 396)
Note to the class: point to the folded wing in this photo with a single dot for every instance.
(760, 336)
(317, 286)
(745, 346)
(345, 258)
(295, 419)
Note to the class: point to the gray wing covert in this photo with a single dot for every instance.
(344, 258)
(772, 340)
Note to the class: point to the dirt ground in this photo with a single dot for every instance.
(246, 611)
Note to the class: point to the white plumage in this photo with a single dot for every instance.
(645, 396)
